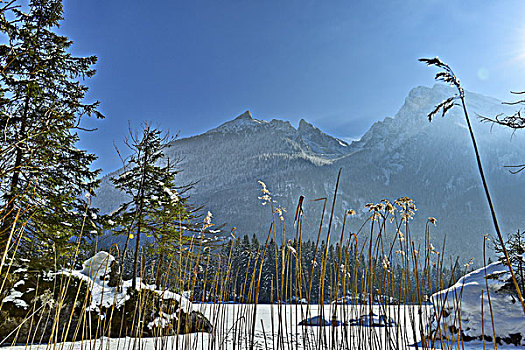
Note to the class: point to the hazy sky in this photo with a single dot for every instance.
(191, 65)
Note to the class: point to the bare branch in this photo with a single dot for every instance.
(520, 168)
(515, 121)
(514, 103)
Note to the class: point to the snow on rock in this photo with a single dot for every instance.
(16, 298)
(468, 295)
(96, 272)
(98, 282)
(98, 265)
(16, 293)
(373, 320)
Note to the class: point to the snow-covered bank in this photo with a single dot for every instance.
(484, 297)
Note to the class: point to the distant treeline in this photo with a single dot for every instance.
(292, 272)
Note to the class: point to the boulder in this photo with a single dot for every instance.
(319, 321)
(314, 321)
(373, 320)
(68, 305)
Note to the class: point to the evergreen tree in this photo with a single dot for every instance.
(516, 247)
(155, 207)
(43, 176)
(169, 221)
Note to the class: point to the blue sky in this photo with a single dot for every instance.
(188, 66)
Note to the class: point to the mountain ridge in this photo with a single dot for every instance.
(402, 155)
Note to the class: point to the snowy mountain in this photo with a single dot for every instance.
(432, 163)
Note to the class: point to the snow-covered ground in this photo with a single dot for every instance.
(232, 330)
(278, 326)
(486, 298)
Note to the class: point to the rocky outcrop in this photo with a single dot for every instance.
(71, 305)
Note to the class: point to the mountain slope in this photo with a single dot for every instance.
(432, 163)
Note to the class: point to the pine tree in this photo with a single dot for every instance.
(169, 221)
(156, 206)
(43, 176)
(516, 247)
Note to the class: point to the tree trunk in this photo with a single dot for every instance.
(136, 262)
(8, 216)
(159, 269)
(144, 164)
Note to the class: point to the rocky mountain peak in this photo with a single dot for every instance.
(242, 122)
(245, 116)
(304, 126)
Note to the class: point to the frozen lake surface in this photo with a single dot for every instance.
(277, 327)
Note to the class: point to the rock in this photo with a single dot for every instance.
(89, 304)
(194, 322)
(98, 267)
(114, 274)
(373, 320)
(314, 321)
(54, 314)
